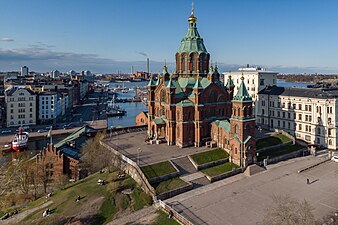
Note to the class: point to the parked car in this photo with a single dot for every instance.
(42, 131)
(67, 126)
(6, 131)
(334, 158)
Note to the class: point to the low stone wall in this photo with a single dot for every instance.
(122, 130)
(313, 165)
(224, 175)
(131, 168)
(291, 155)
(165, 177)
(207, 165)
(177, 191)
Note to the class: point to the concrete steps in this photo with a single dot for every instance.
(184, 165)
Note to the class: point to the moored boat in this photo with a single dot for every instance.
(20, 141)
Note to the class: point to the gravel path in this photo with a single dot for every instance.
(22, 214)
(133, 217)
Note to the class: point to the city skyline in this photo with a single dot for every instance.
(112, 36)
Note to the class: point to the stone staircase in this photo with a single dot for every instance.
(184, 165)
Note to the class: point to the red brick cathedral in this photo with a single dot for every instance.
(192, 107)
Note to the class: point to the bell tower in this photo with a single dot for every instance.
(192, 58)
(242, 128)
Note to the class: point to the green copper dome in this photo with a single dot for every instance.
(192, 41)
(242, 94)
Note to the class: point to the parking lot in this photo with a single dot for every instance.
(243, 200)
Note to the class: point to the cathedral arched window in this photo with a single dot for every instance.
(212, 96)
(236, 129)
(192, 61)
(163, 96)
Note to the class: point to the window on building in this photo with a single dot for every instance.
(310, 108)
(299, 126)
(299, 116)
(289, 115)
(306, 107)
(263, 112)
(300, 106)
(283, 105)
(330, 142)
(306, 117)
(330, 131)
(294, 106)
(283, 124)
(278, 114)
(283, 114)
(236, 129)
(329, 121)
(318, 130)
(307, 137)
(289, 126)
(261, 82)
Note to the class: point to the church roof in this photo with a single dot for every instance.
(223, 124)
(242, 94)
(230, 83)
(198, 84)
(151, 83)
(192, 41)
(185, 103)
(159, 121)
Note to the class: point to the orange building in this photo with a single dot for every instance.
(186, 108)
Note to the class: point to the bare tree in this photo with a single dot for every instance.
(94, 156)
(288, 211)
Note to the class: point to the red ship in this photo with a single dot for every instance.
(20, 141)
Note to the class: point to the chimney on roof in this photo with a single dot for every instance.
(247, 65)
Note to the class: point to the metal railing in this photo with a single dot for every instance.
(181, 219)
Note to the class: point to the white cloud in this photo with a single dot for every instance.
(6, 39)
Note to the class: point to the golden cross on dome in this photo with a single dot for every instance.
(192, 8)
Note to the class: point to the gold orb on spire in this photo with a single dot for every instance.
(242, 78)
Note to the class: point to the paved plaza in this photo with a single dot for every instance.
(129, 143)
(241, 200)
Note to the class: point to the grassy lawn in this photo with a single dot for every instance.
(220, 169)
(163, 219)
(158, 169)
(209, 156)
(169, 185)
(102, 201)
(279, 152)
(271, 141)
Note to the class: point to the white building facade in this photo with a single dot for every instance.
(307, 113)
(255, 78)
(20, 107)
(49, 107)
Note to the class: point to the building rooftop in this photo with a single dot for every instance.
(301, 92)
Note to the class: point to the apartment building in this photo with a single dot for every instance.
(21, 106)
(49, 107)
(307, 113)
(255, 79)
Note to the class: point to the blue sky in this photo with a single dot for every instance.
(109, 35)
